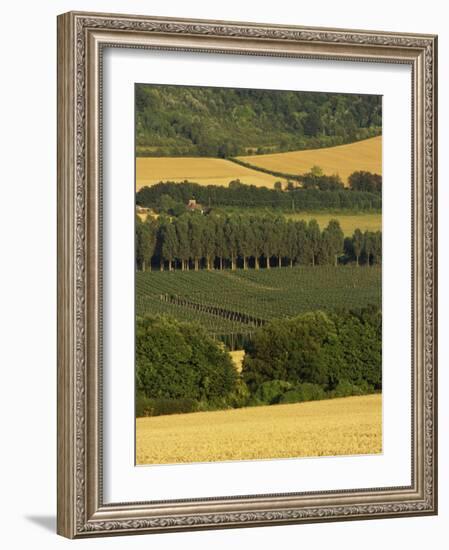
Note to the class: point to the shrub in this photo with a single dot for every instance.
(143, 405)
(255, 402)
(346, 389)
(271, 392)
(160, 406)
(240, 396)
(303, 392)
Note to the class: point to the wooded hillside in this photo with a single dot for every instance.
(223, 122)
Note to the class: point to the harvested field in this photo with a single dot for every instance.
(342, 159)
(203, 170)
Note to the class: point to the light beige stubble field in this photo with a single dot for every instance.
(341, 159)
(202, 170)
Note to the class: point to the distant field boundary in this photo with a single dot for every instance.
(284, 175)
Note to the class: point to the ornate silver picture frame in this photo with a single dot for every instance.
(82, 40)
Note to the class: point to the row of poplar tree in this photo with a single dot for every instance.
(195, 241)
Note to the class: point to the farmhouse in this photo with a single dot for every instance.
(192, 205)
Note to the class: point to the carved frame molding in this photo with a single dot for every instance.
(81, 39)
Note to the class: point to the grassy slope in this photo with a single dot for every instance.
(342, 159)
(346, 426)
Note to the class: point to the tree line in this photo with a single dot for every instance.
(316, 355)
(172, 197)
(360, 180)
(195, 241)
(318, 348)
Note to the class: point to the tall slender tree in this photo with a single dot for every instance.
(231, 238)
(267, 233)
(182, 233)
(368, 247)
(208, 240)
(291, 244)
(245, 240)
(357, 244)
(169, 243)
(279, 240)
(314, 238)
(336, 239)
(145, 243)
(219, 240)
(377, 247)
(195, 237)
(257, 241)
(303, 254)
(325, 251)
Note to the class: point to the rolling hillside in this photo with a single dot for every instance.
(202, 170)
(221, 122)
(341, 159)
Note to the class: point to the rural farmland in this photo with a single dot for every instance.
(368, 221)
(346, 426)
(202, 170)
(258, 274)
(342, 159)
(262, 294)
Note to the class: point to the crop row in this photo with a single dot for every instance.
(224, 301)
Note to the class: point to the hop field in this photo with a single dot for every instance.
(346, 426)
(263, 294)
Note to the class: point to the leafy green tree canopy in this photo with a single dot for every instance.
(177, 360)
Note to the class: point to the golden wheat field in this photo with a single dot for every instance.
(369, 221)
(345, 426)
(342, 159)
(203, 170)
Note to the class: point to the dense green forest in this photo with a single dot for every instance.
(193, 241)
(224, 122)
(315, 355)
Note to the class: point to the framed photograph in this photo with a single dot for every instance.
(246, 274)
